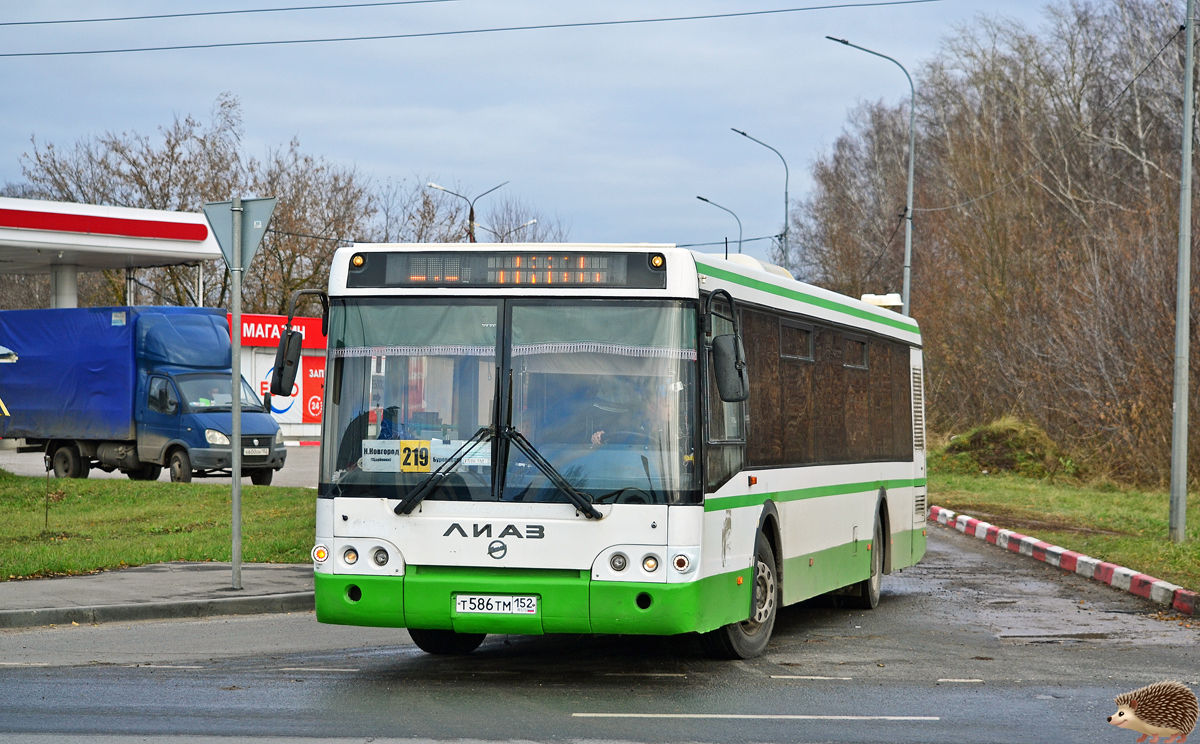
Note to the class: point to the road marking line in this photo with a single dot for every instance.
(734, 716)
(804, 676)
(25, 663)
(164, 666)
(314, 669)
(960, 680)
(644, 674)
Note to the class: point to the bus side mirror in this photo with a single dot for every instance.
(729, 368)
(287, 363)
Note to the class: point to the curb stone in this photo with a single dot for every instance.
(1119, 577)
(196, 608)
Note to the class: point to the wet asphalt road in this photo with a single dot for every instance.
(1047, 651)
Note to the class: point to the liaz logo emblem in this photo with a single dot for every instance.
(532, 531)
(497, 549)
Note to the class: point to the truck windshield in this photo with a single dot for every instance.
(208, 392)
(603, 390)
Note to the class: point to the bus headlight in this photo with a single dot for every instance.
(215, 437)
(681, 563)
(618, 562)
(650, 564)
(380, 557)
(350, 556)
(320, 553)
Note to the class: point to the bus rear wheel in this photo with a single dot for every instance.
(446, 642)
(749, 638)
(866, 593)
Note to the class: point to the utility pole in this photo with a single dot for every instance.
(1179, 425)
(235, 273)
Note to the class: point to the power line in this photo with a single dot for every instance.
(720, 242)
(220, 12)
(314, 237)
(1042, 160)
(464, 32)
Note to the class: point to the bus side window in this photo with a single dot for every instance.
(726, 426)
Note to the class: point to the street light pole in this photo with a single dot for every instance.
(1177, 521)
(470, 202)
(784, 236)
(912, 150)
(718, 206)
(509, 232)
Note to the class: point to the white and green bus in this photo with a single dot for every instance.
(633, 439)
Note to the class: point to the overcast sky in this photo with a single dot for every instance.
(615, 129)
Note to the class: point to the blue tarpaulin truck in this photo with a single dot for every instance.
(133, 389)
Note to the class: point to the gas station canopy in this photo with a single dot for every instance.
(63, 238)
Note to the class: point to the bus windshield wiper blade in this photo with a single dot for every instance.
(583, 502)
(434, 479)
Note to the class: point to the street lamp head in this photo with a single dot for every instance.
(433, 185)
(735, 129)
(840, 41)
(701, 198)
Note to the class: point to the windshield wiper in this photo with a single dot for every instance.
(434, 479)
(583, 502)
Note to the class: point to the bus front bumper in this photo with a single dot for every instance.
(568, 601)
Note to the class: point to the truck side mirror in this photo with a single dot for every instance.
(287, 363)
(729, 367)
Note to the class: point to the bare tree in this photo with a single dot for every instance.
(1044, 277)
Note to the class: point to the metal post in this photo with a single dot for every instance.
(727, 209)
(783, 237)
(200, 284)
(912, 151)
(130, 288)
(471, 222)
(1179, 429)
(235, 442)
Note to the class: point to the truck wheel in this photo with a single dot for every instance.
(147, 472)
(262, 477)
(68, 463)
(181, 466)
(866, 592)
(749, 638)
(446, 642)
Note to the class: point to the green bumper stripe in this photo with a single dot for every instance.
(896, 321)
(815, 492)
(568, 601)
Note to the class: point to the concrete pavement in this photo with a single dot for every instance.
(156, 592)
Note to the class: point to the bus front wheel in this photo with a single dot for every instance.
(446, 642)
(749, 638)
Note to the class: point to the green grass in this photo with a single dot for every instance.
(112, 523)
(1116, 524)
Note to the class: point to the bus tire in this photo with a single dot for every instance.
(749, 638)
(446, 642)
(865, 595)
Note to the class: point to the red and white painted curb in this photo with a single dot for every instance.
(1119, 577)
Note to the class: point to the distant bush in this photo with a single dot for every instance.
(1004, 445)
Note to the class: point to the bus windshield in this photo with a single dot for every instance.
(603, 390)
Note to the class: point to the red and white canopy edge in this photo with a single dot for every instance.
(63, 238)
